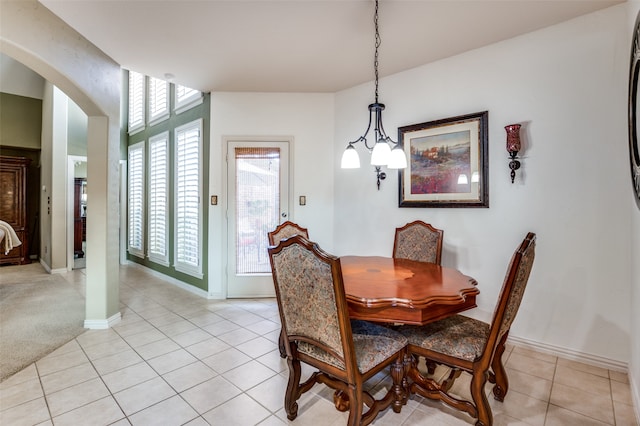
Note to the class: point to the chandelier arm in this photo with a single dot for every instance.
(363, 138)
(380, 135)
(384, 134)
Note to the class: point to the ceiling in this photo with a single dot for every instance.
(299, 45)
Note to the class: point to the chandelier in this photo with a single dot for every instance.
(381, 151)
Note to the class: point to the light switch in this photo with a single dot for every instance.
(214, 200)
(303, 200)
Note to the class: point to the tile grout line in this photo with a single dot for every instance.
(154, 370)
(44, 395)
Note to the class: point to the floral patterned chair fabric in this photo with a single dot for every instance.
(285, 230)
(282, 232)
(317, 331)
(466, 344)
(418, 241)
(457, 336)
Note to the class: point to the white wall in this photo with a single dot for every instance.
(634, 366)
(567, 85)
(19, 80)
(308, 118)
(53, 177)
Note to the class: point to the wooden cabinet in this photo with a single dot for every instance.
(79, 221)
(13, 202)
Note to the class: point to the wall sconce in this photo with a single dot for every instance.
(513, 147)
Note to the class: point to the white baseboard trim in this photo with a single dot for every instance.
(635, 392)
(103, 324)
(173, 281)
(52, 271)
(594, 360)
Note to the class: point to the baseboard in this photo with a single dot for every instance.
(195, 290)
(598, 361)
(44, 265)
(52, 271)
(635, 393)
(103, 324)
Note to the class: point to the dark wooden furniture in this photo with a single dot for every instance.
(13, 202)
(78, 219)
(418, 241)
(318, 331)
(383, 289)
(285, 230)
(466, 344)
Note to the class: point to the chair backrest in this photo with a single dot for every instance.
(418, 241)
(285, 230)
(312, 302)
(515, 283)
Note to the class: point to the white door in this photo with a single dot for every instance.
(258, 200)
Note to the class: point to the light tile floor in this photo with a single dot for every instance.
(179, 359)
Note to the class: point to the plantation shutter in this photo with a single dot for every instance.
(188, 141)
(158, 198)
(158, 99)
(136, 199)
(136, 101)
(186, 98)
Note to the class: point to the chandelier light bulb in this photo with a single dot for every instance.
(350, 158)
(381, 153)
(397, 160)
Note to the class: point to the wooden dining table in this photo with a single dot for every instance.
(400, 291)
(384, 289)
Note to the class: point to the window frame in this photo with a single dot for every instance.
(179, 265)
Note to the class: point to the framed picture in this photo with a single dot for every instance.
(634, 113)
(448, 162)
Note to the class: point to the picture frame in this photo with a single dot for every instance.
(634, 113)
(447, 162)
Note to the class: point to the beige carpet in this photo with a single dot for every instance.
(39, 313)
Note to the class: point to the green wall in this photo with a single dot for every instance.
(20, 121)
(176, 120)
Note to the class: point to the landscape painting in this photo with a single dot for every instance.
(447, 163)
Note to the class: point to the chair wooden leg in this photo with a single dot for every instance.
(448, 382)
(356, 408)
(483, 410)
(293, 389)
(281, 343)
(499, 374)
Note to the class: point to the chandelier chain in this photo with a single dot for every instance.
(377, 44)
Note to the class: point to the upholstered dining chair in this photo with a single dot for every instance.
(285, 230)
(418, 241)
(470, 345)
(318, 332)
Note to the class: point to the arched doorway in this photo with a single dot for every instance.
(34, 36)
